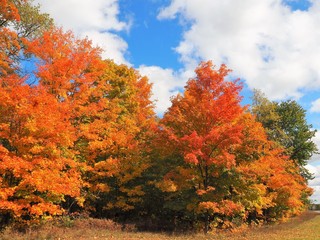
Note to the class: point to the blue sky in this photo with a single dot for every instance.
(150, 41)
(302, 5)
(271, 45)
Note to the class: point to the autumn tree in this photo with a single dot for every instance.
(36, 137)
(37, 167)
(111, 112)
(272, 188)
(286, 124)
(114, 138)
(202, 124)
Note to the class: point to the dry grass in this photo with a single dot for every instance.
(304, 227)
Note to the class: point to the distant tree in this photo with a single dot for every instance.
(286, 124)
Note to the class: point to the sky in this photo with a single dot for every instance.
(271, 45)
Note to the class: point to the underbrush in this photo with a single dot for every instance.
(64, 227)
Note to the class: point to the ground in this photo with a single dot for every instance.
(304, 227)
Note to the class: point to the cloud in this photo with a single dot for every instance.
(114, 47)
(314, 168)
(98, 20)
(272, 47)
(315, 183)
(315, 106)
(315, 159)
(166, 83)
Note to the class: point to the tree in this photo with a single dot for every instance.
(114, 138)
(299, 145)
(37, 167)
(286, 124)
(272, 187)
(37, 170)
(203, 126)
(111, 112)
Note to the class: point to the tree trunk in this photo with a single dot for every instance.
(206, 223)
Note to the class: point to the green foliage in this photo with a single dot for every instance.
(32, 22)
(286, 124)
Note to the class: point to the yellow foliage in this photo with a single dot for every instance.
(167, 186)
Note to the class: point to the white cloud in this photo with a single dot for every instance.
(114, 47)
(315, 183)
(314, 167)
(166, 83)
(315, 106)
(315, 159)
(273, 48)
(94, 19)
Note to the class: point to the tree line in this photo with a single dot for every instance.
(78, 133)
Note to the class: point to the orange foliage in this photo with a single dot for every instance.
(9, 45)
(204, 124)
(111, 111)
(118, 121)
(37, 167)
(270, 174)
(8, 11)
(68, 66)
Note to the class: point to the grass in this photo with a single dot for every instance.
(306, 226)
